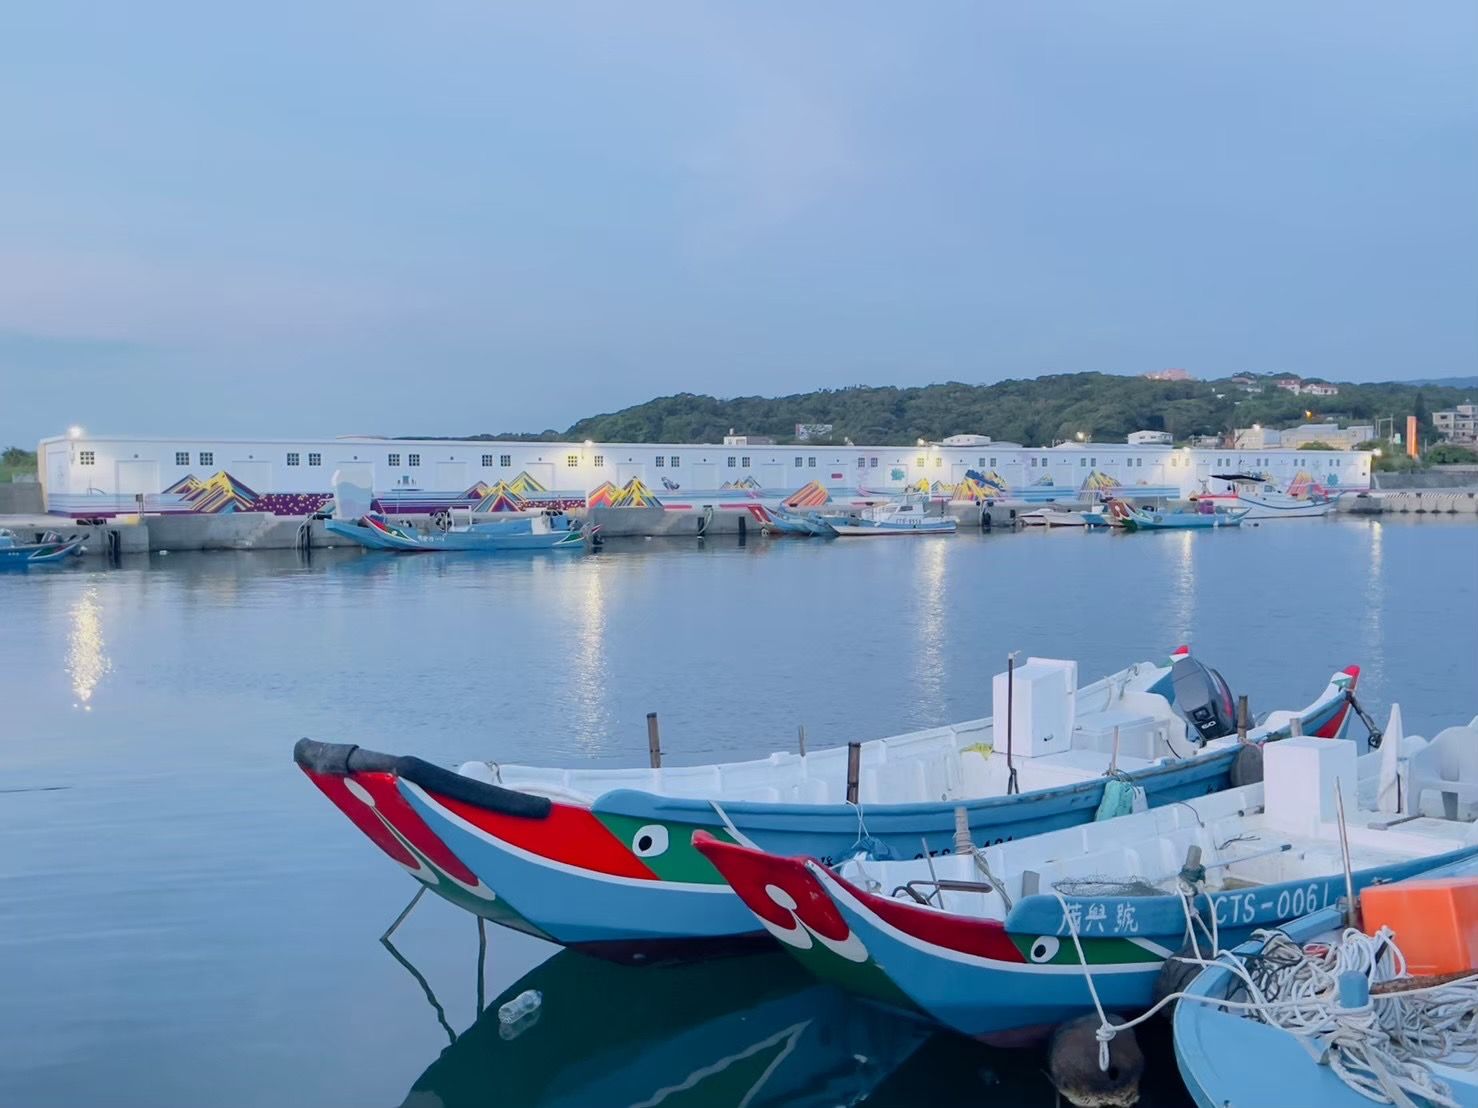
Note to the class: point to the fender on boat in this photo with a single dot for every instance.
(346, 759)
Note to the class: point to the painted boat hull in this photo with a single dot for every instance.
(480, 538)
(1003, 982)
(866, 529)
(1283, 508)
(1181, 521)
(620, 877)
(38, 554)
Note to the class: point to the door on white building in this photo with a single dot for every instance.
(255, 475)
(772, 476)
(625, 471)
(543, 472)
(702, 477)
(135, 476)
(451, 476)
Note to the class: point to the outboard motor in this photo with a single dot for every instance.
(1202, 697)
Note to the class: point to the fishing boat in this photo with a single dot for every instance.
(1205, 515)
(524, 531)
(1358, 1032)
(50, 549)
(602, 859)
(781, 521)
(754, 1032)
(894, 517)
(1003, 942)
(1259, 499)
(1055, 517)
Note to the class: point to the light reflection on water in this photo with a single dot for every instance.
(186, 920)
(86, 661)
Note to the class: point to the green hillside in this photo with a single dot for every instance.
(1034, 412)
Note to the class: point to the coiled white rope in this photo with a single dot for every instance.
(1383, 1049)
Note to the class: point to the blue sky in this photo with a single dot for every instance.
(456, 217)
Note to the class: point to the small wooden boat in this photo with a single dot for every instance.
(896, 517)
(50, 549)
(1002, 941)
(754, 1031)
(1220, 1023)
(602, 859)
(522, 531)
(781, 521)
(1153, 519)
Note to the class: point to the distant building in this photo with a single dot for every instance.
(1243, 379)
(1170, 375)
(805, 432)
(1292, 384)
(1257, 437)
(1151, 438)
(1459, 425)
(1320, 388)
(732, 439)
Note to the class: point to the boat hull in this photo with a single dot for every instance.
(620, 877)
(1003, 982)
(377, 535)
(1289, 508)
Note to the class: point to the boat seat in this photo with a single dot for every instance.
(1448, 765)
(1137, 732)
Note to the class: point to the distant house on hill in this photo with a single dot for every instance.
(1320, 388)
(1244, 379)
(1170, 375)
(1292, 384)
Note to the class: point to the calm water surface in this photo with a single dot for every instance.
(184, 920)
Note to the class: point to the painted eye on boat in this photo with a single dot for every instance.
(1044, 949)
(649, 841)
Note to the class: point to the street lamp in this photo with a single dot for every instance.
(74, 432)
(1080, 436)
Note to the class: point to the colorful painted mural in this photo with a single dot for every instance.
(981, 486)
(1099, 482)
(220, 492)
(1303, 484)
(634, 494)
(742, 483)
(813, 494)
(500, 498)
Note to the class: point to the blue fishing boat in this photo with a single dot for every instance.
(1005, 942)
(1206, 515)
(1338, 1060)
(894, 517)
(531, 531)
(602, 859)
(50, 549)
(781, 521)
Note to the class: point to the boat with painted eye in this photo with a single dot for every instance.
(51, 548)
(894, 517)
(754, 1031)
(1206, 516)
(1260, 499)
(781, 521)
(602, 859)
(1231, 1010)
(1003, 943)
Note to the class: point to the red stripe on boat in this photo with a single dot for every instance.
(984, 938)
(753, 873)
(384, 790)
(568, 834)
(1337, 721)
(334, 787)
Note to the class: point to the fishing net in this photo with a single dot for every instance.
(1108, 886)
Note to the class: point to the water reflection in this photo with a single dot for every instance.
(930, 656)
(590, 670)
(753, 1031)
(86, 661)
(1182, 572)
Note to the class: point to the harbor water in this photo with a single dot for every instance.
(185, 920)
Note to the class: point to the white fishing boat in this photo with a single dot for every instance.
(1261, 500)
(1053, 517)
(895, 517)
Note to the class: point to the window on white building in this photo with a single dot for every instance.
(86, 457)
(413, 459)
(505, 460)
(487, 461)
(292, 457)
(798, 462)
(207, 458)
(315, 459)
(676, 460)
(393, 460)
(861, 462)
(572, 460)
(811, 461)
(744, 462)
(919, 461)
(600, 461)
(938, 461)
(181, 457)
(731, 461)
(659, 461)
(872, 463)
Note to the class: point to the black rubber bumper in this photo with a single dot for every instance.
(343, 759)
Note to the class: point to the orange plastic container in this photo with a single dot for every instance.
(1435, 921)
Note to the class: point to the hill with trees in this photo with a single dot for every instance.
(1034, 412)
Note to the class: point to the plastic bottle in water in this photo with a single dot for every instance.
(520, 1006)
